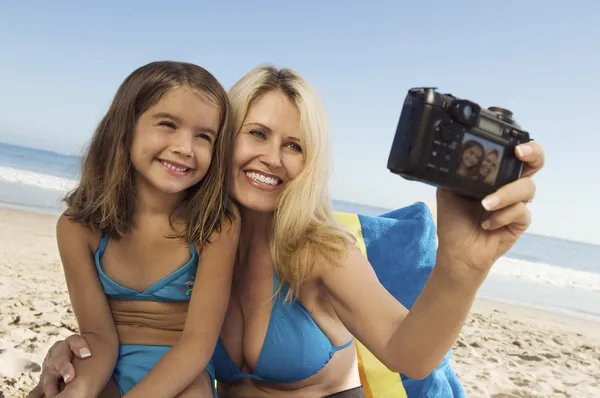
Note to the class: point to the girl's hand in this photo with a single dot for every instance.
(473, 235)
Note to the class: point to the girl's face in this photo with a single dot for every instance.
(173, 141)
(471, 156)
(489, 164)
(266, 154)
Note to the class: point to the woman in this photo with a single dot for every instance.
(487, 170)
(291, 245)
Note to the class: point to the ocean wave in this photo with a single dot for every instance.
(547, 274)
(523, 269)
(36, 179)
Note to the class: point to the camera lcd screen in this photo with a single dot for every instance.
(490, 126)
(479, 159)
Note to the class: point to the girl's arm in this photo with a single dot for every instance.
(186, 360)
(90, 307)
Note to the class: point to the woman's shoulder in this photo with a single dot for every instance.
(334, 257)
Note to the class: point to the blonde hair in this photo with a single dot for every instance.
(305, 229)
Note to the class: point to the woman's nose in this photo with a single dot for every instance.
(272, 156)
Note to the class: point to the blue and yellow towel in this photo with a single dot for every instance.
(401, 246)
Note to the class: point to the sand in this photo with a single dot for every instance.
(503, 351)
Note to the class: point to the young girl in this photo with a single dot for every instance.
(149, 230)
(471, 155)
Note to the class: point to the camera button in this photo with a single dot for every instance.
(516, 134)
(450, 132)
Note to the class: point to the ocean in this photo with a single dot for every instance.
(540, 272)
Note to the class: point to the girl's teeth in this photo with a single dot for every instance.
(173, 167)
(262, 178)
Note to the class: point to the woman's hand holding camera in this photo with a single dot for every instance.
(473, 235)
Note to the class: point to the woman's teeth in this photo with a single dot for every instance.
(262, 178)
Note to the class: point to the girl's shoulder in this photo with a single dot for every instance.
(70, 231)
(228, 228)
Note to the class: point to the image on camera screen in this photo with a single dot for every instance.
(479, 159)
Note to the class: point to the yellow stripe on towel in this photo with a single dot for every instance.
(377, 380)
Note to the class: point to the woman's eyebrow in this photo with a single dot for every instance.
(259, 125)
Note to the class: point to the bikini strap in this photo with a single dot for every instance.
(102, 244)
(275, 281)
(341, 347)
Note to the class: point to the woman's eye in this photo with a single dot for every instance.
(258, 133)
(168, 124)
(295, 146)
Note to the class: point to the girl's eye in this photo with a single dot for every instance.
(168, 124)
(205, 136)
(258, 133)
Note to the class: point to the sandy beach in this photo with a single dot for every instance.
(503, 351)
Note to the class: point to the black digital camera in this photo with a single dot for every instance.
(453, 143)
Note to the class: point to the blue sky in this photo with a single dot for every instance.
(61, 63)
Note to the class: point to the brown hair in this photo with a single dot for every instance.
(105, 197)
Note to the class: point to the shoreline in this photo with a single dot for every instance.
(504, 350)
(581, 316)
(565, 322)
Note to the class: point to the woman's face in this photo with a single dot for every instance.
(471, 156)
(489, 164)
(266, 152)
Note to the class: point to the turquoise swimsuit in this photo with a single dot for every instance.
(135, 361)
(295, 348)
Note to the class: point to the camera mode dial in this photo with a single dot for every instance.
(502, 114)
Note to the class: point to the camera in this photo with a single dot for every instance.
(452, 143)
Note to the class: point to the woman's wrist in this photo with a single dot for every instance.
(453, 272)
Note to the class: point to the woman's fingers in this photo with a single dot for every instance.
(532, 155)
(37, 392)
(58, 364)
(515, 216)
(522, 190)
(78, 346)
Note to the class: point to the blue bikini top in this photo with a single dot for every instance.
(294, 349)
(174, 287)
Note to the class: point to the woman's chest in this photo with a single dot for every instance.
(269, 337)
(248, 315)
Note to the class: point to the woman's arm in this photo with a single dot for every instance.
(90, 307)
(183, 363)
(412, 343)
(415, 342)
